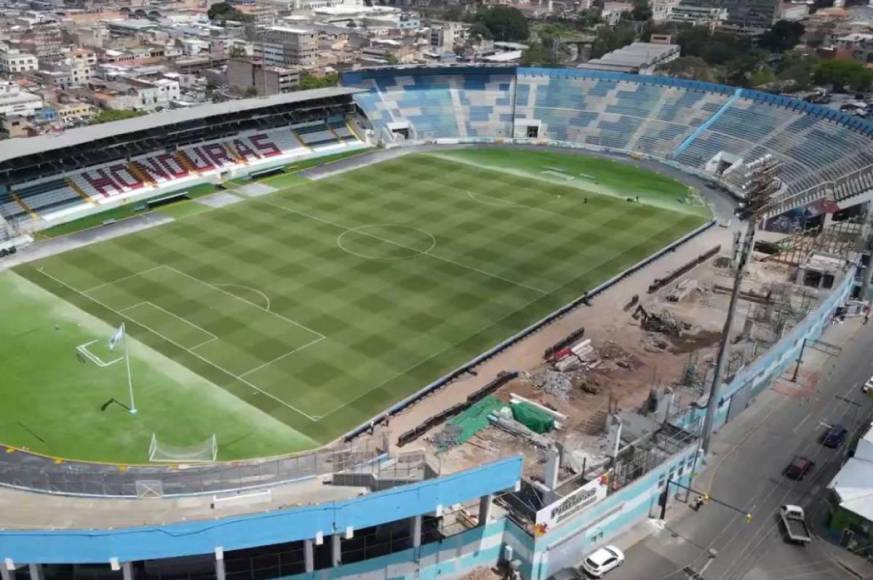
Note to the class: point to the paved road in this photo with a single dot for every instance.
(745, 470)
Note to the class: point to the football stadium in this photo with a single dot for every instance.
(239, 328)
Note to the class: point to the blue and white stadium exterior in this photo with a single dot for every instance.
(324, 534)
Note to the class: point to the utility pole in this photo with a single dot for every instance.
(762, 184)
(867, 248)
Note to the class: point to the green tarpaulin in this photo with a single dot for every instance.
(533, 418)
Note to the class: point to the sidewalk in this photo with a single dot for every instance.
(816, 369)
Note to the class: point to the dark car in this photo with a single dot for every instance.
(566, 574)
(798, 468)
(834, 436)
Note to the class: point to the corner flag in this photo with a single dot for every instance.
(115, 338)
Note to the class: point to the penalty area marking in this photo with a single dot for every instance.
(250, 289)
(192, 352)
(83, 350)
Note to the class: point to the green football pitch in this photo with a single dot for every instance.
(283, 321)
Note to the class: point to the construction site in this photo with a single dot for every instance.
(600, 405)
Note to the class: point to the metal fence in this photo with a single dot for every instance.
(23, 470)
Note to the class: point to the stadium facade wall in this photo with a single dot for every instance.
(450, 558)
(239, 532)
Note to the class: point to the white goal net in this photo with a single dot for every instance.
(162, 452)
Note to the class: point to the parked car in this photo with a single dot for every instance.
(798, 468)
(602, 561)
(868, 386)
(834, 436)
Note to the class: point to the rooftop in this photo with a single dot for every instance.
(632, 56)
(853, 484)
(73, 137)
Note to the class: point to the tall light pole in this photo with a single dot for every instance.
(762, 184)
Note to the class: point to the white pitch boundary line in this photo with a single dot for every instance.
(487, 326)
(171, 341)
(280, 357)
(399, 245)
(83, 349)
(176, 316)
(434, 355)
(122, 279)
(214, 287)
(250, 289)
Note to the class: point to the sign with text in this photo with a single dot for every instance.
(557, 512)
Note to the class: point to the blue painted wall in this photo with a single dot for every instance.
(566, 544)
(287, 525)
(758, 375)
(453, 556)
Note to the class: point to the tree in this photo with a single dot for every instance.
(612, 38)
(479, 31)
(688, 67)
(782, 36)
(589, 18)
(641, 10)
(251, 92)
(539, 54)
(310, 81)
(454, 13)
(507, 24)
(223, 11)
(795, 71)
(844, 72)
(716, 48)
(110, 115)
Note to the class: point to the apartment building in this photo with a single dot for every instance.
(244, 75)
(12, 60)
(287, 46)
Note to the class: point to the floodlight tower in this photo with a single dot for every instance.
(763, 183)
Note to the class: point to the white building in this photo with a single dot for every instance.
(70, 73)
(13, 60)
(140, 94)
(14, 100)
(661, 9)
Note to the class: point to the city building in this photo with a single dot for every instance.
(14, 61)
(287, 46)
(245, 75)
(661, 9)
(139, 94)
(851, 519)
(745, 17)
(708, 16)
(13, 125)
(15, 100)
(74, 113)
(444, 36)
(69, 73)
(860, 46)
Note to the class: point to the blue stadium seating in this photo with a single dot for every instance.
(685, 121)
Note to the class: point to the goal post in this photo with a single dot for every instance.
(203, 452)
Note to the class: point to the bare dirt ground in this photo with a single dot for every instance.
(630, 361)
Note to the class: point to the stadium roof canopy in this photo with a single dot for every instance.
(45, 143)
